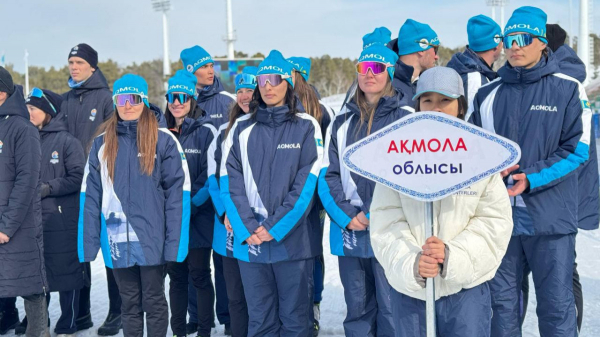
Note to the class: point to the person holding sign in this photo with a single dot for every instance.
(347, 196)
(268, 175)
(471, 233)
(547, 113)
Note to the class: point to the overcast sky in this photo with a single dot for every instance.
(130, 31)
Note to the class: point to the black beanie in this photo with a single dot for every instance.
(44, 103)
(6, 82)
(85, 52)
(556, 36)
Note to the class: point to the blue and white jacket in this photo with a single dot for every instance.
(136, 219)
(343, 193)
(547, 113)
(195, 137)
(271, 161)
(473, 70)
(216, 103)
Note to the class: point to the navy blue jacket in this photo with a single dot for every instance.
(547, 113)
(22, 270)
(343, 193)
(589, 198)
(63, 161)
(271, 161)
(403, 77)
(216, 103)
(473, 70)
(86, 107)
(139, 219)
(195, 137)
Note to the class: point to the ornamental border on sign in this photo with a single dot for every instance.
(514, 156)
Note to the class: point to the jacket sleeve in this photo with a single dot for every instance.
(330, 187)
(214, 160)
(91, 219)
(298, 200)
(233, 189)
(175, 181)
(74, 167)
(393, 243)
(573, 148)
(109, 107)
(207, 169)
(27, 176)
(480, 247)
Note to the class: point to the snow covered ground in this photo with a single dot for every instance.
(333, 308)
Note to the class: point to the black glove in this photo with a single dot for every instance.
(45, 190)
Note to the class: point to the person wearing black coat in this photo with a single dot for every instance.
(86, 106)
(22, 271)
(63, 162)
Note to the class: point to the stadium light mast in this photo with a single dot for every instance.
(583, 45)
(230, 38)
(497, 3)
(164, 6)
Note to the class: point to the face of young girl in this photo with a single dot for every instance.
(36, 116)
(432, 101)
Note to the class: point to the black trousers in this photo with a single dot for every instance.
(222, 305)
(197, 265)
(142, 291)
(238, 309)
(114, 299)
(69, 307)
(84, 293)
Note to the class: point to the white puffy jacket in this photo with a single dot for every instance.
(475, 224)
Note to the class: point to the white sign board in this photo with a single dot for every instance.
(429, 155)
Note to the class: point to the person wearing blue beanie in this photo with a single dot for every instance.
(380, 35)
(417, 45)
(195, 136)
(135, 205)
(347, 198)
(533, 96)
(223, 238)
(212, 98)
(277, 149)
(309, 97)
(475, 64)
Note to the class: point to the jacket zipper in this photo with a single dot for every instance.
(128, 195)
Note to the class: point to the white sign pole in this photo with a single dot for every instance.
(430, 285)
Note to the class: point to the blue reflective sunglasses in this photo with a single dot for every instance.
(38, 93)
(245, 79)
(182, 98)
(522, 40)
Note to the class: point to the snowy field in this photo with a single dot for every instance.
(333, 308)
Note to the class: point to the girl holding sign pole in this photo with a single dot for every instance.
(472, 229)
(347, 196)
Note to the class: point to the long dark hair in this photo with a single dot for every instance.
(463, 106)
(234, 114)
(194, 113)
(147, 137)
(308, 97)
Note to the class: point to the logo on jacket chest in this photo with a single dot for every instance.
(548, 108)
(216, 116)
(193, 151)
(93, 114)
(1, 145)
(54, 159)
(288, 146)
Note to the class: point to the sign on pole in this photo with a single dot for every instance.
(428, 156)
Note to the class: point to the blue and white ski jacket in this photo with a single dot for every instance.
(216, 103)
(547, 113)
(473, 70)
(268, 175)
(136, 219)
(343, 193)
